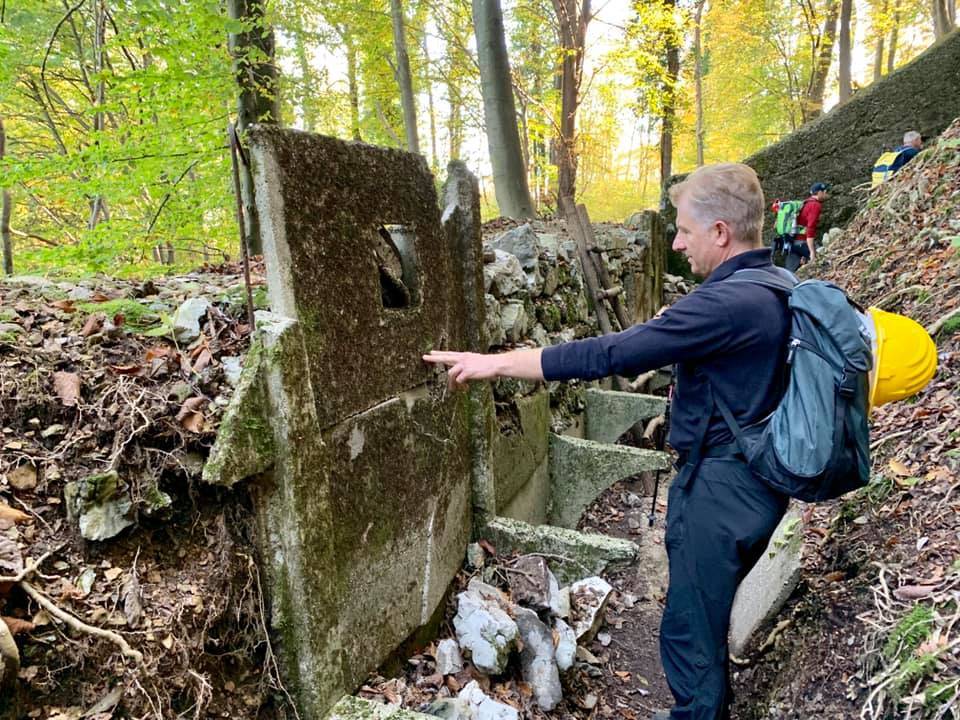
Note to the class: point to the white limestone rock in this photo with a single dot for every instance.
(483, 707)
(537, 659)
(588, 599)
(449, 661)
(186, 319)
(566, 649)
(484, 629)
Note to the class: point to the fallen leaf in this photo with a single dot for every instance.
(113, 573)
(99, 297)
(12, 514)
(202, 361)
(65, 305)
(17, 625)
(913, 592)
(157, 351)
(490, 549)
(93, 325)
(899, 468)
(11, 561)
(622, 674)
(67, 387)
(190, 415)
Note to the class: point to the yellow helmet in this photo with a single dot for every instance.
(904, 357)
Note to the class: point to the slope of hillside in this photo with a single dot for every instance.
(874, 632)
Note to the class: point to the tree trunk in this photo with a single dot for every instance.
(669, 110)
(698, 77)
(5, 211)
(499, 111)
(892, 47)
(944, 17)
(572, 20)
(880, 30)
(404, 80)
(258, 100)
(97, 205)
(846, 89)
(353, 88)
(434, 156)
(813, 104)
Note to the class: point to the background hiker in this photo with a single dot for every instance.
(727, 338)
(803, 248)
(887, 164)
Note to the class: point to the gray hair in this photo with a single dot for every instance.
(728, 192)
(910, 137)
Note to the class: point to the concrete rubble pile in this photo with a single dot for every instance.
(537, 621)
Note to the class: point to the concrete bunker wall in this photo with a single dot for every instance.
(371, 476)
(364, 526)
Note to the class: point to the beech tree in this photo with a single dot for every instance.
(499, 111)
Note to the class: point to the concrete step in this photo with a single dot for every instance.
(571, 555)
(354, 708)
(582, 469)
(609, 414)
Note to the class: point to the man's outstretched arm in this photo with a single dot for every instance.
(465, 367)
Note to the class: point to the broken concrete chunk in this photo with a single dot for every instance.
(449, 661)
(588, 598)
(537, 659)
(566, 649)
(476, 558)
(484, 628)
(99, 505)
(563, 603)
(492, 322)
(483, 707)
(354, 708)
(186, 319)
(232, 367)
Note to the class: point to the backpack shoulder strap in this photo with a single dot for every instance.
(775, 278)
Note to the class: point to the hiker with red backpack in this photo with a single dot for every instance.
(770, 402)
(795, 227)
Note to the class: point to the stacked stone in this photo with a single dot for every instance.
(533, 282)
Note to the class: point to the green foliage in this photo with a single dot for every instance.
(136, 315)
(952, 325)
(158, 164)
(913, 629)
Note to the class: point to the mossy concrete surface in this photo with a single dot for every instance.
(611, 413)
(582, 469)
(322, 203)
(245, 444)
(770, 583)
(365, 511)
(571, 555)
(520, 449)
(354, 708)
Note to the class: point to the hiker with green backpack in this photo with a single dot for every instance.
(770, 402)
(795, 227)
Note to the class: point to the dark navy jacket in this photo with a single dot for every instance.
(733, 332)
(907, 153)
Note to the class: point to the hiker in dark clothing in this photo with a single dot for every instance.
(804, 248)
(725, 338)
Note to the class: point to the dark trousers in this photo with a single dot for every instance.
(719, 519)
(799, 250)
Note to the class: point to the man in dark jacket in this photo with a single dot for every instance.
(727, 339)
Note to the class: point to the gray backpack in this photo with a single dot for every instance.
(815, 445)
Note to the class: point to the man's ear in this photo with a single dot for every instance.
(723, 235)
